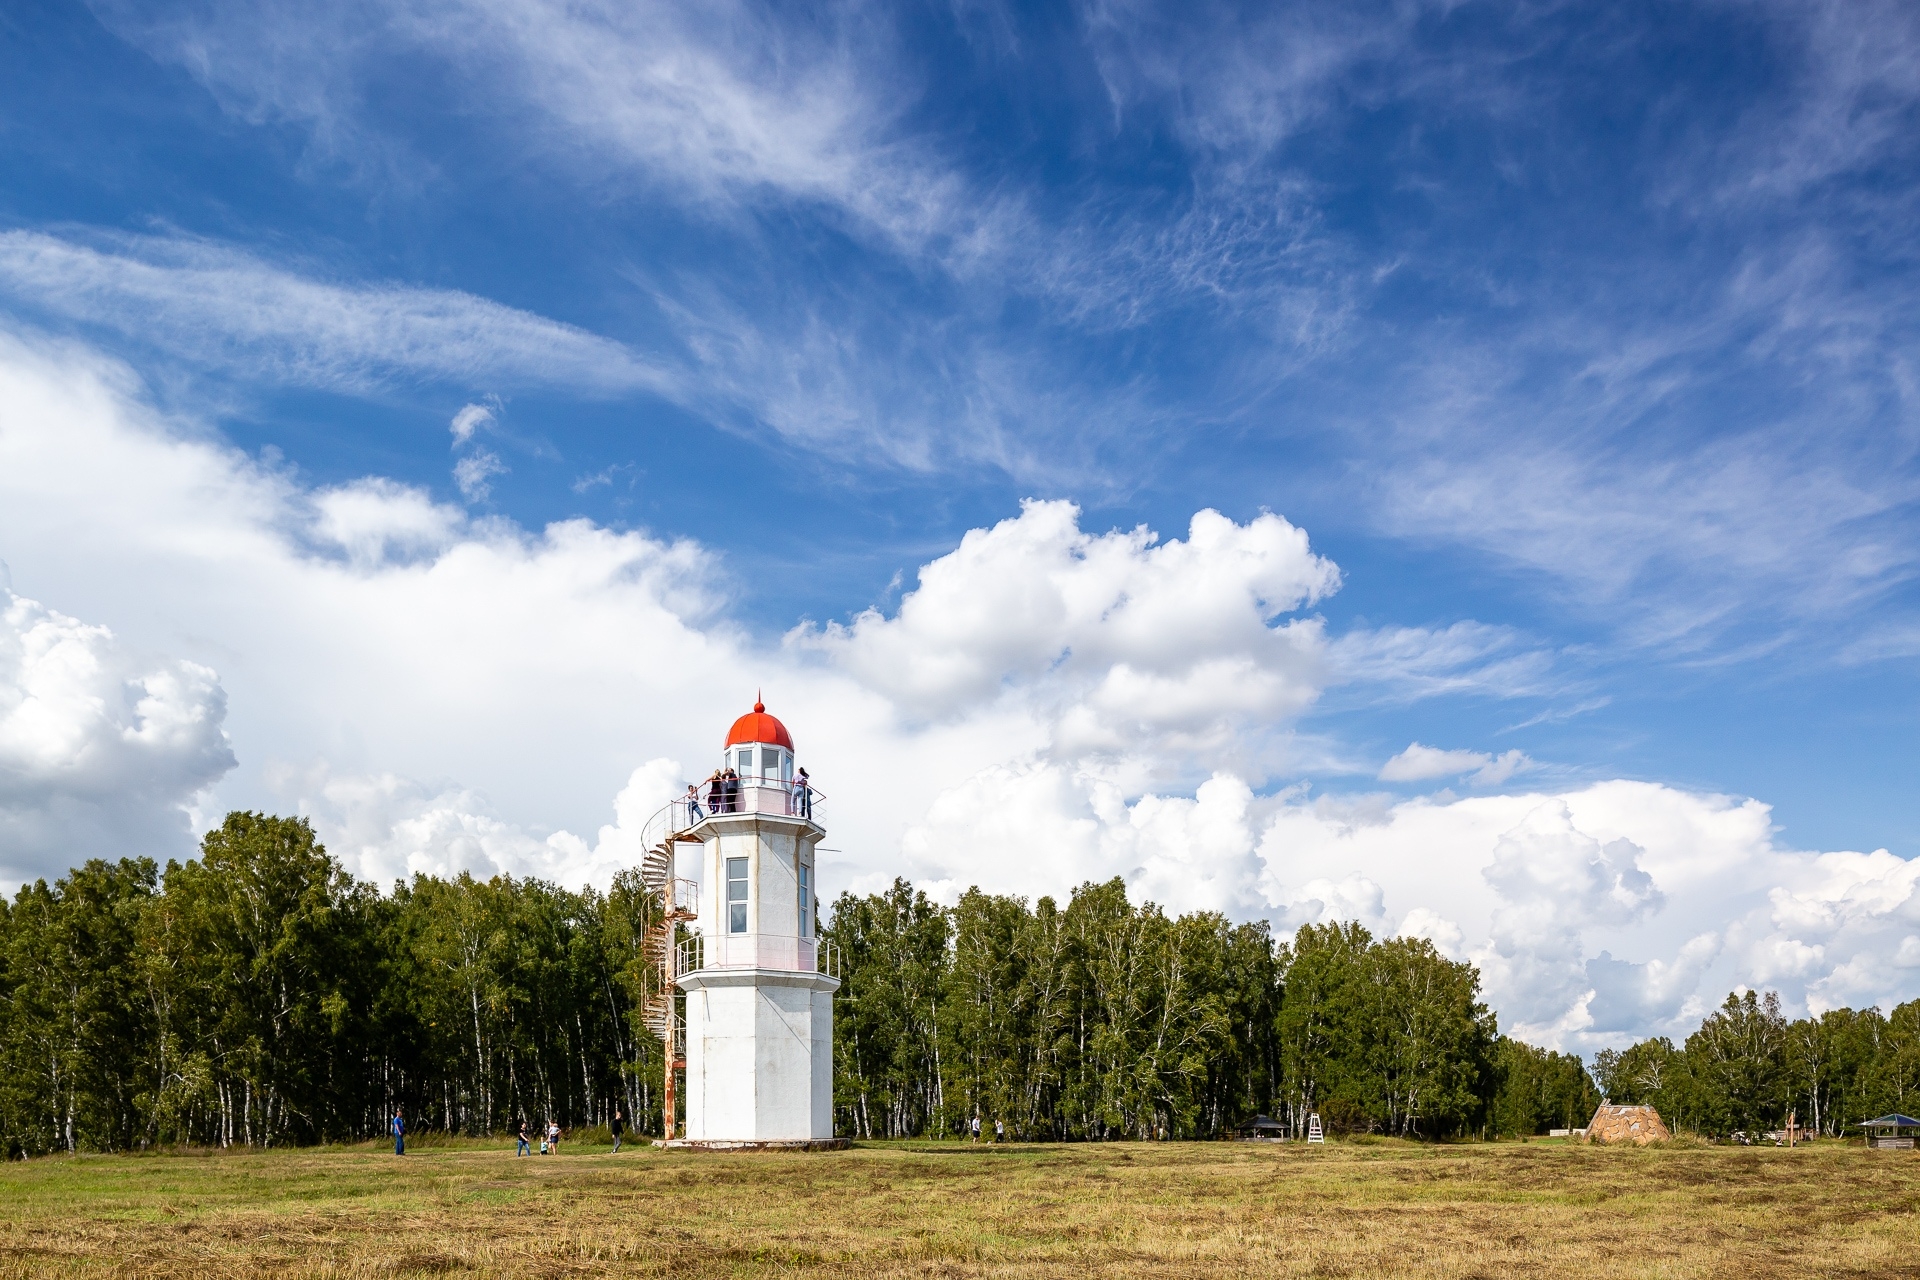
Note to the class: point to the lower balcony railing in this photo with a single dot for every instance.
(757, 951)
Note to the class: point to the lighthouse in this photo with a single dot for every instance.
(759, 1004)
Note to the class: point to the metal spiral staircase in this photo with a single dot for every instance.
(677, 898)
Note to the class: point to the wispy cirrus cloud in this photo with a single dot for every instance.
(734, 103)
(224, 307)
(1681, 430)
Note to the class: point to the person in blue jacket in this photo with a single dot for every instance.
(399, 1133)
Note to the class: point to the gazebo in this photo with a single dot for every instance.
(1891, 1132)
(1262, 1129)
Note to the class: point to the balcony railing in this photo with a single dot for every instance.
(683, 896)
(757, 951)
(748, 795)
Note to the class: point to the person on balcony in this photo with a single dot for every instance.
(716, 793)
(803, 795)
(694, 812)
(730, 790)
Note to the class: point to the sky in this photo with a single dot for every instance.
(1450, 466)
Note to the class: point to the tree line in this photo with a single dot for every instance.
(1101, 1019)
(258, 995)
(1748, 1068)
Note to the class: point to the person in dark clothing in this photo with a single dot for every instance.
(717, 793)
(525, 1147)
(619, 1126)
(803, 794)
(399, 1133)
(731, 788)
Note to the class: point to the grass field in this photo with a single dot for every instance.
(922, 1209)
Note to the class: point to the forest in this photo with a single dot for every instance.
(258, 995)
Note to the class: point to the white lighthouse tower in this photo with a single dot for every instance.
(759, 1008)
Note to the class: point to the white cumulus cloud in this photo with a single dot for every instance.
(470, 419)
(1420, 763)
(100, 749)
(1126, 645)
(474, 474)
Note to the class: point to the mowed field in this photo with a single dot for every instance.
(924, 1209)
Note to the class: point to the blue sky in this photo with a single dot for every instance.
(1581, 338)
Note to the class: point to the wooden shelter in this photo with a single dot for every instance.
(1891, 1132)
(1614, 1122)
(1261, 1129)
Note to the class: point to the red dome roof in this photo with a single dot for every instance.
(758, 726)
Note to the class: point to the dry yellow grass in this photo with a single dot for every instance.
(921, 1209)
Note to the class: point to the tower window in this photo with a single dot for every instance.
(806, 900)
(736, 895)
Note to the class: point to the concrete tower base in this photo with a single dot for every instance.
(759, 1058)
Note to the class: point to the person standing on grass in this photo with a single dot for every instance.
(553, 1136)
(399, 1132)
(520, 1136)
(619, 1126)
(976, 1126)
(999, 1131)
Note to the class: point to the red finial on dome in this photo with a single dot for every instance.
(758, 726)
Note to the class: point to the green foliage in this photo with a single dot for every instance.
(1106, 1020)
(258, 996)
(1538, 1090)
(1382, 1037)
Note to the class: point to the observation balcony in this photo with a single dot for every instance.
(747, 795)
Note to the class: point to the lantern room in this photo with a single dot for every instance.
(759, 748)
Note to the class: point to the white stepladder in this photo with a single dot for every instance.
(1314, 1131)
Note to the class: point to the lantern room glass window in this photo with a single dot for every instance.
(736, 895)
